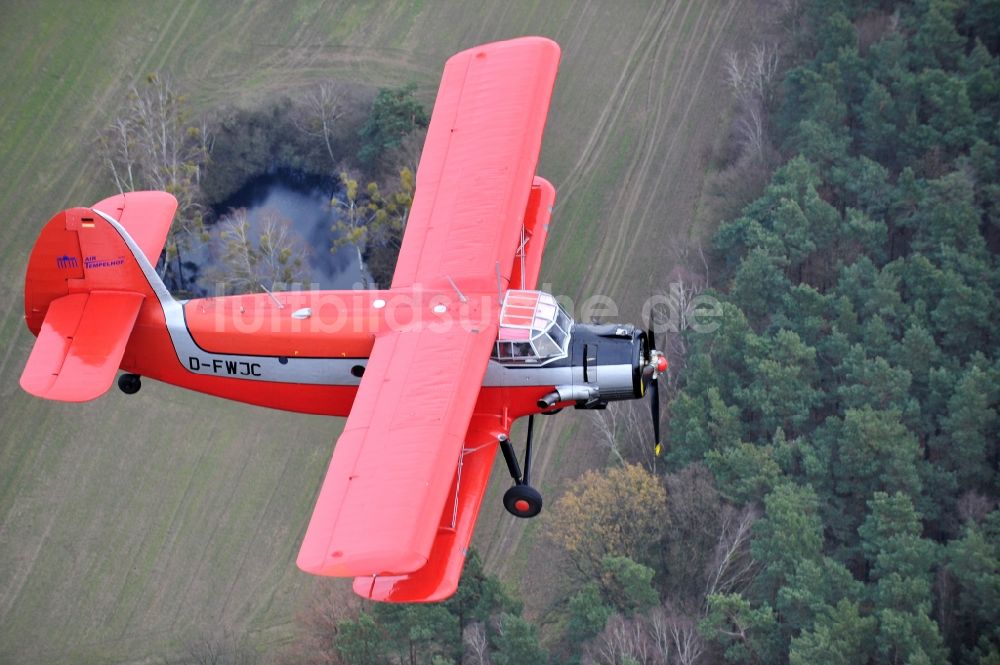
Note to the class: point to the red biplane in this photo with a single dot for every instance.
(431, 373)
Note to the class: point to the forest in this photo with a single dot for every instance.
(830, 490)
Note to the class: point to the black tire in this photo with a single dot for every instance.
(129, 383)
(522, 501)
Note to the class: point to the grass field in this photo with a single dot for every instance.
(132, 525)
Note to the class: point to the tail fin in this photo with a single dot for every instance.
(146, 217)
(86, 281)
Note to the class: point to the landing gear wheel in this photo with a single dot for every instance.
(129, 383)
(522, 501)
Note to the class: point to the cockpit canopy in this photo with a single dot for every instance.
(533, 328)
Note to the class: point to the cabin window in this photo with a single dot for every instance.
(546, 346)
(533, 328)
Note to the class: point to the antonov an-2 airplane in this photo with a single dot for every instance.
(431, 373)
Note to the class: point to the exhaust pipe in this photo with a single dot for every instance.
(567, 394)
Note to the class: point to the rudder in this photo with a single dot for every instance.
(79, 251)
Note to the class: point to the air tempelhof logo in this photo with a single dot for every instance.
(92, 262)
(66, 262)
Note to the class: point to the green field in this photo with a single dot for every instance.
(131, 526)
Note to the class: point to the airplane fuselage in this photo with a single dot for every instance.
(306, 351)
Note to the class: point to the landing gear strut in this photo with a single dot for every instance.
(521, 500)
(129, 383)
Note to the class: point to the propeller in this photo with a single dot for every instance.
(656, 364)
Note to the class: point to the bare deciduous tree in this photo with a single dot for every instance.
(623, 641)
(750, 77)
(663, 637)
(624, 429)
(318, 628)
(731, 567)
(477, 644)
(659, 635)
(267, 253)
(674, 636)
(322, 106)
(118, 148)
(973, 506)
(751, 129)
(154, 143)
(688, 644)
(671, 313)
(375, 221)
(736, 74)
(410, 148)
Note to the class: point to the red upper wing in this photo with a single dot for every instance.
(381, 502)
(478, 161)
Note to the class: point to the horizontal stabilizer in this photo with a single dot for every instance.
(80, 345)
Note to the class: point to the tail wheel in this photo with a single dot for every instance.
(522, 501)
(129, 383)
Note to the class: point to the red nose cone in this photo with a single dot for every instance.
(661, 364)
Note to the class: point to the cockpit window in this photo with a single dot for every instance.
(533, 328)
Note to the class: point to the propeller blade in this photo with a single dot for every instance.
(654, 408)
(650, 374)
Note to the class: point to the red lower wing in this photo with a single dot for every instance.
(438, 579)
(381, 500)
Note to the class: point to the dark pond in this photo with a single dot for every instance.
(305, 203)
